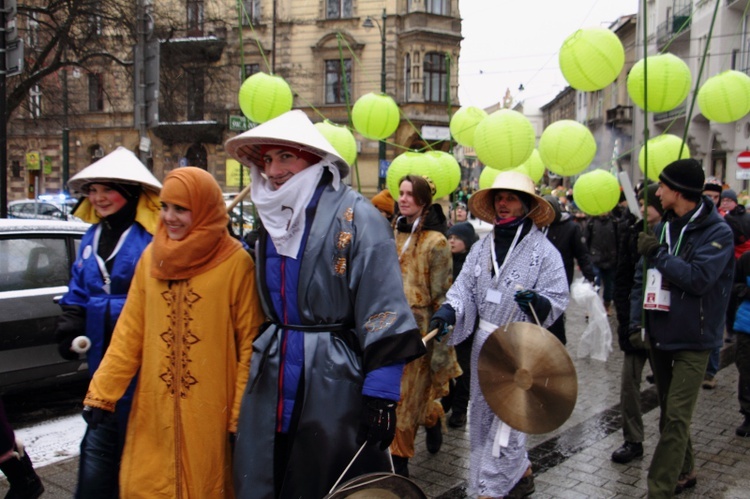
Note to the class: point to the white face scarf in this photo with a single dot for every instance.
(283, 210)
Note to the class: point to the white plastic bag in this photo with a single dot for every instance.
(596, 340)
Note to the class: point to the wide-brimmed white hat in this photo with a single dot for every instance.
(482, 202)
(119, 166)
(292, 129)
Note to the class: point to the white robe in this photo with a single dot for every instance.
(533, 264)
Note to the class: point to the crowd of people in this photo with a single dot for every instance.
(316, 356)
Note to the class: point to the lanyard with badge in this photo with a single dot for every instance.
(100, 262)
(494, 295)
(657, 296)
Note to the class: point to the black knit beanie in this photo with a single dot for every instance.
(465, 232)
(685, 176)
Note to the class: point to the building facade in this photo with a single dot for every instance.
(683, 27)
(165, 83)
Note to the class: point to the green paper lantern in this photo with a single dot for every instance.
(662, 150)
(668, 82)
(596, 192)
(375, 116)
(567, 147)
(340, 138)
(533, 167)
(487, 177)
(504, 139)
(592, 58)
(263, 97)
(464, 123)
(410, 162)
(725, 98)
(445, 173)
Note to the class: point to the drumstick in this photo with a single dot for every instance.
(430, 335)
(239, 197)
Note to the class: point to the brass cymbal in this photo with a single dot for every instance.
(527, 378)
(378, 486)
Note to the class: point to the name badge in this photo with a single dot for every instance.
(493, 296)
(657, 295)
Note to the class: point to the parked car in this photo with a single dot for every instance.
(242, 220)
(38, 209)
(35, 261)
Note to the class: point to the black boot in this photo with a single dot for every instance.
(401, 465)
(743, 430)
(24, 482)
(434, 437)
(627, 452)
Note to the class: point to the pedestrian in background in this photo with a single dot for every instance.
(742, 338)
(507, 276)
(461, 237)
(691, 253)
(565, 235)
(426, 270)
(339, 330)
(634, 348)
(16, 464)
(601, 240)
(385, 204)
(187, 329)
(121, 201)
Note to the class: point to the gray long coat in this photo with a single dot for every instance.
(366, 293)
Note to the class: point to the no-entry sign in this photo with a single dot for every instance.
(743, 159)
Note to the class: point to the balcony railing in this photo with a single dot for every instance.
(676, 25)
(675, 113)
(620, 115)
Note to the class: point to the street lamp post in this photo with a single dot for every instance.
(368, 23)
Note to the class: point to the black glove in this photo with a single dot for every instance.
(526, 298)
(94, 415)
(378, 423)
(648, 244)
(441, 326)
(64, 343)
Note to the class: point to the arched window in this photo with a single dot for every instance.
(435, 77)
(196, 156)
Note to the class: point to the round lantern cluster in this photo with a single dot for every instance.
(340, 138)
(725, 97)
(662, 150)
(596, 192)
(667, 86)
(567, 147)
(263, 97)
(504, 139)
(464, 123)
(441, 167)
(375, 116)
(592, 58)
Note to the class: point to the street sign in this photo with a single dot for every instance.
(743, 159)
(14, 57)
(743, 174)
(239, 123)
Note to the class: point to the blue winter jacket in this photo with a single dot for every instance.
(700, 279)
(86, 288)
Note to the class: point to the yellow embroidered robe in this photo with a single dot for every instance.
(192, 341)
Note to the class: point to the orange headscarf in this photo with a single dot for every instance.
(208, 242)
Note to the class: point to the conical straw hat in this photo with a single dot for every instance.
(119, 166)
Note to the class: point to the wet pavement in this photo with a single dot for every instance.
(574, 460)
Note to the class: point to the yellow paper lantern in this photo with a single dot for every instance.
(504, 139)
(567, 147)
(591, 58)
(410, 162)
(464, 123)
(533, 167)
(445, 173)
(487, 177)
(725, 97)
(662, 150)
(375, 116)
(340, 138)
(263, 97)
(596, 192)
(668, 82)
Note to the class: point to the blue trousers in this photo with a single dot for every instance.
(99, 464)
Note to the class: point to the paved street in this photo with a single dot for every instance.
(573, 462)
